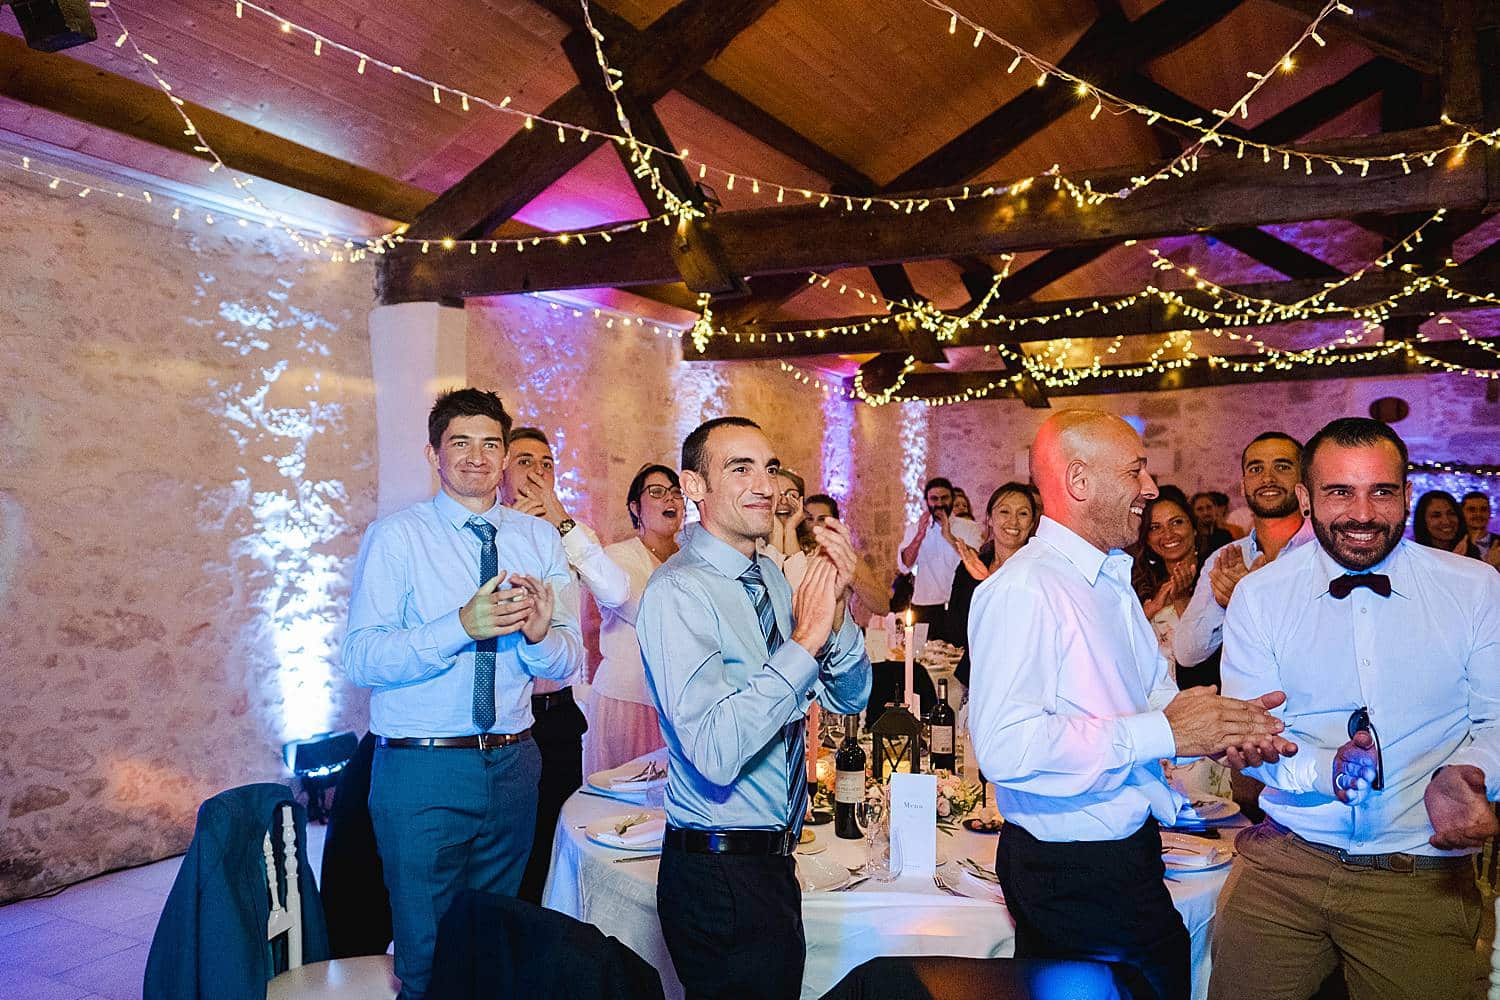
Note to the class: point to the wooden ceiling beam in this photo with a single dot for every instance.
(1110, 49)
(1378, 76)
(1276, 253)
(655, 61)
(1100, 317)
(1220, 195)
(1409, 33)
(66, 86)
(1200, 374)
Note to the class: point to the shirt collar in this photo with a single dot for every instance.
(1396, 566)
(458, 515)
(719, 554)
(1304, 535)
(1074, 548)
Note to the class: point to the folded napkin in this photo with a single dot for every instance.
(638, 837)
(646, 771)
(1179, 852)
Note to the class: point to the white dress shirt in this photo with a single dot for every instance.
(1425, 660)
(622, 674)
(1066, 693)
(936, 559)
(1200, 631)
(589, 567)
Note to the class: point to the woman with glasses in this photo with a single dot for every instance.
(622, 720)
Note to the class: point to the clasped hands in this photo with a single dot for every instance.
(1238, 733)
(820, 599)
(524, 605)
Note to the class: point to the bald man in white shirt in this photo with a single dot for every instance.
(1072, 709)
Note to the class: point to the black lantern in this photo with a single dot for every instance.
(897, 737)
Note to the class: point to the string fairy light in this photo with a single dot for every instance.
(1083, 195)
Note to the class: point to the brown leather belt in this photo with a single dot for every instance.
(1385, 862)
(480, 741)
(772, 843)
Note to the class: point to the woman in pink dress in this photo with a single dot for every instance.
(622, 720)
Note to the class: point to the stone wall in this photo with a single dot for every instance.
(187, 436)
(1194, 436)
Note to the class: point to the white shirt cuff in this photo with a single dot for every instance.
(1149, 736)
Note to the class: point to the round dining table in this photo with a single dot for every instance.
(615, 890)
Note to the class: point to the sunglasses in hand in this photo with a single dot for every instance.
(1359, 722)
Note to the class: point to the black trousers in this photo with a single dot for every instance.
(1100, 900)
(732, 924)
(558, 732)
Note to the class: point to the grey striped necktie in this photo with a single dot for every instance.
(484, 649)
(794, 734)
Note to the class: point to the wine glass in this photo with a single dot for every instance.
(875, 819)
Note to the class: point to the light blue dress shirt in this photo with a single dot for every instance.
(1425, 661)
(1067, 689)
(416, 569)
(722, 700)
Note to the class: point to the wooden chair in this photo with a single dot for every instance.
(369, 977)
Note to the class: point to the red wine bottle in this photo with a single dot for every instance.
(942, 720)
(849, 783)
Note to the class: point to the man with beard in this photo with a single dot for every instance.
(1073, 708)
(931, 558)
(1270, 469)
(734, 658)
(1389, 653)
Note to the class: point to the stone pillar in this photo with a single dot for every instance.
(417, 351)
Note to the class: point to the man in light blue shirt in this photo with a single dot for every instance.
(453, 612)
(733, 661)
(1389, 653)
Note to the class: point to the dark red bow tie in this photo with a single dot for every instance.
(1343, 586)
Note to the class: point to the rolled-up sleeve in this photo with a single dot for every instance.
(718, 725)
(1024, 739)
(380, 647)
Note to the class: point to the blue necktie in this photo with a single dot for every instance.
(795, 732)
(484, 649)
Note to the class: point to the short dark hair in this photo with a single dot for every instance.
(1270, 436)
(1352, 432)
(1419, 532)
(1219, 499)
(469, 402)
(1476, 495)
(695, 445)
(528, 434)
(822, 498)
(1201, 493)
(937, 482)
(638, 486)
(797, 480)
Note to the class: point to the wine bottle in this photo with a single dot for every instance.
(849, 782)
(942, 721)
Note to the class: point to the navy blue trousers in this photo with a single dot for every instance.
(448, 820)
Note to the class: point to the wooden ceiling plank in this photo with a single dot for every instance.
(1219, 195)
(1325, 104)
(655, 61)
(88, 94)
(1397, 29)
(1110, 50)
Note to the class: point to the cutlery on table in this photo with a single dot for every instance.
(937, 880)
(637, 857)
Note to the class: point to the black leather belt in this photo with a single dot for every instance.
(1384, 862)
(479, 741)
(552, 699)
(767, 843)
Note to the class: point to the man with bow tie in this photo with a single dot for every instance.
(1389, 654)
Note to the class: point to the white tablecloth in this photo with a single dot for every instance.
(910, 916)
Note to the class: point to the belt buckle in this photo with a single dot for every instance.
(1404, 863)
(484, 743)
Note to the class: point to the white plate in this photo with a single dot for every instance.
(960, 880)
(818, 875)
(1183, 854)
(815, 846)
(597, 830)
(604, 781)
(1207, 810)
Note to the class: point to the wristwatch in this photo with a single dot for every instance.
(566, 525)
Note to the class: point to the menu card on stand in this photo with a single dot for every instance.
(914, 823)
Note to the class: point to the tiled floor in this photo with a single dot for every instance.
(90, 941)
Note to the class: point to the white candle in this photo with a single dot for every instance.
(911, 648)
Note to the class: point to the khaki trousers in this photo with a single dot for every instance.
(1290, 913)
